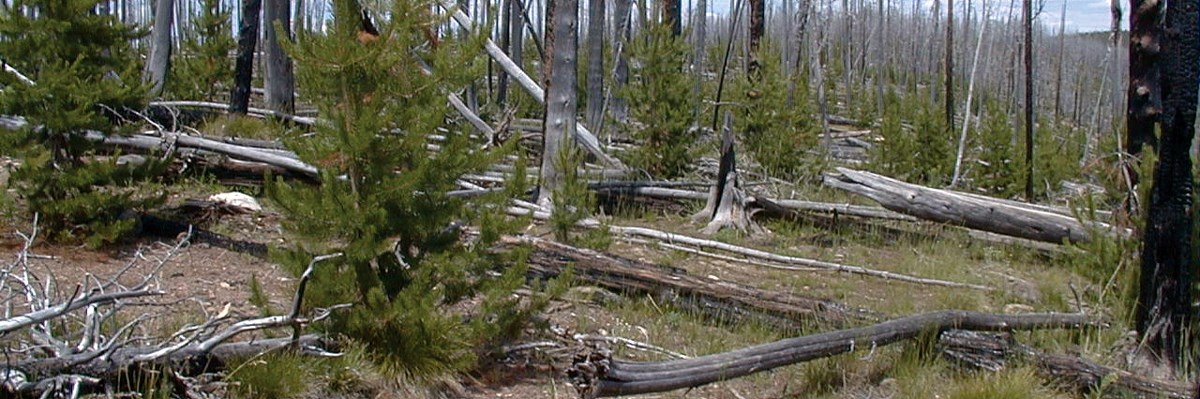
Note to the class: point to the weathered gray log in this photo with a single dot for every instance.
(992, 352)
(720, 300)
(596, 374)
(970, 211)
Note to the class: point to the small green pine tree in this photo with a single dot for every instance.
(85, 77)
(923, 154)
(997, 172)
(382, 197)
(779, 136)
(204, 69)
(659, 97)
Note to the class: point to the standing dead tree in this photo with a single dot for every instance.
(239, 100)
(159, 62)
(1163, 311)
(562, 49)
(727, 203)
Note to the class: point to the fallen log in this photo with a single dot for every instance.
(992, 352)
(965, 210)
(721, 300)
(597, 374)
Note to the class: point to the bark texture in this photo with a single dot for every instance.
(243, 68)
(562, 47)
(1164, 297)
(280, 82)
(159, 62)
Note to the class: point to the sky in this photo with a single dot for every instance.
(1081, 15)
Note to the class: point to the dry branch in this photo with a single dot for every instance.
(596, 374)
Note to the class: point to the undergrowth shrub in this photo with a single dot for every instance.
(659, 98)
(203, 70)
(922, 154)
(779, 135)
(86, 80)
(426, 299)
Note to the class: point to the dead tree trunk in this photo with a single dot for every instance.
(727, 204)
(596, 374)
(279, 81)
(562, 48)
(1145, 91)
(758, 27)
(992, 351)
(1164, 297)
(239, 100)
(1003, 217)
(949, 68)
(673, 16)
(721, 300)
(159, 62)
(1029, 99)
(595, 67)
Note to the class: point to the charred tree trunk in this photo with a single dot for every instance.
(949, 68)
(1164, 296)
(279, 81)
(159, 62)
(1029, 98)
(673, 16)
(1145, 91)
(562, 48)
(239, 100)
(758, 27)
(595, 68)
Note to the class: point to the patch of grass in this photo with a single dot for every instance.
(1018, 383)
(280, 375)
(258, 297)
(242, 127)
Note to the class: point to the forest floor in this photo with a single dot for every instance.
(201, 279)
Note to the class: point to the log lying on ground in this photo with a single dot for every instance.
(992, 352)
(970, 211)
(596, 374)
(722, 300)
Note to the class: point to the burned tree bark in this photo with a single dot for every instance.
(279, 81)
(758, 27)
(596, 374)
(673, 16)
(595, 67)
(562, 48)
(1029, 99)
(949, 65)
(159, 62)
(1164, 297)
(1145, 91)
(243, 69)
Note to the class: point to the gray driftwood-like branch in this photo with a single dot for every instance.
(967, 210)
(597, 374)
